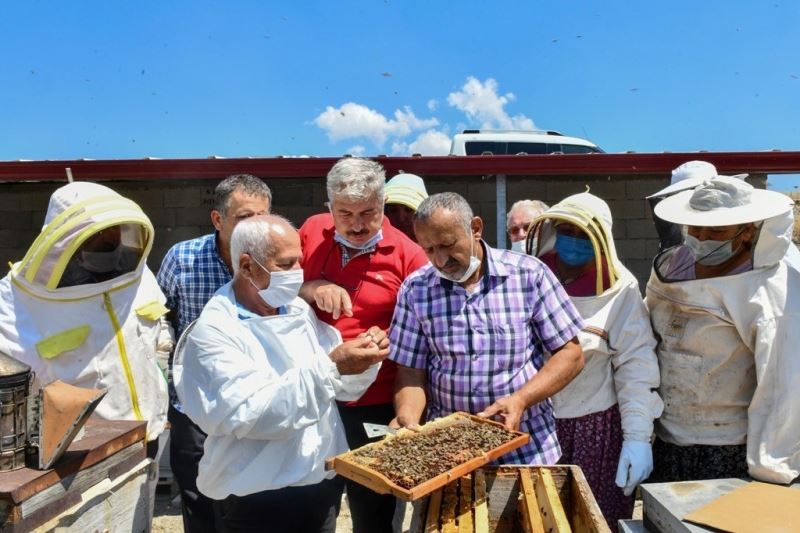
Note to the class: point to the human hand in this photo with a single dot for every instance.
(379, 337)
(357, 355)
(635, 465)
(509, 409)
(405, 421)
(332, 299)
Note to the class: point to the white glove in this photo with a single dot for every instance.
(635, 464)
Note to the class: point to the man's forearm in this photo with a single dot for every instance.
(409, 394)
(557, 372)
(307, 291)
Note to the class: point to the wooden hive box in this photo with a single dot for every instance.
(346, 465)
(510, 499)
(101, 483)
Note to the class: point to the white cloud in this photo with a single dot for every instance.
(431, 142)
(400, 148)
(353, 120)
(482, 103)
(357, 150)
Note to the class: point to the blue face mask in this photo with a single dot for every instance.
(573, 251)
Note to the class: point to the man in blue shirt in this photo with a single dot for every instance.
(190, 274)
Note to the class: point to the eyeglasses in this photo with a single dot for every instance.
(353, 290)
(521, 228)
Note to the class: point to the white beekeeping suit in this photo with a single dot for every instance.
(617, 342)
(730, 371)
(63, 315)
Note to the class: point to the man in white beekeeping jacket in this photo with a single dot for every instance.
(83, 307)
(604, 417)
(259, 373)
(725, 307)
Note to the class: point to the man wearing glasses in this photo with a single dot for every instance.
(354, 261)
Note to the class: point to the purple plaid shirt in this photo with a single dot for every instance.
(482, 346)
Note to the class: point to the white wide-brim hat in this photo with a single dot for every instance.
(688, 176)
(722, 201)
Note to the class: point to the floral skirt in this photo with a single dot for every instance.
(594, 442)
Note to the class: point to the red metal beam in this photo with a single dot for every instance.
(777, 162)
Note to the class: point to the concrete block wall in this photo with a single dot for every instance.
(634, 233)
(179, 209)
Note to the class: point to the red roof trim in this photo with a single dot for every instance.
(578, 164)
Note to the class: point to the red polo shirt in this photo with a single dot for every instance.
(372, 281)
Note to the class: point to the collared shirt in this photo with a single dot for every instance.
(263, 389)
(347, 255)
(190, 274)
(481, 346)
(371, 279)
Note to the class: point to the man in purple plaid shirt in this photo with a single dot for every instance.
(472, 329)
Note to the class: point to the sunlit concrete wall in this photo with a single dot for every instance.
(179, 209)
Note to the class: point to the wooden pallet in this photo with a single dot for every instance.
(512, 499)
(345, 465)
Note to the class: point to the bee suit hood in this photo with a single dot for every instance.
(617, 342)
(90, 332)
(77, 212)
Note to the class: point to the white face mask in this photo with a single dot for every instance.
(369, 243)
(518, 246)
(474, 263)
(708, 252)
(101, 262)
(284, 286)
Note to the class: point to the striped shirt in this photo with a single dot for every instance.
(481, 346)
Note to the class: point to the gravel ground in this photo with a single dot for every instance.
(167, 515)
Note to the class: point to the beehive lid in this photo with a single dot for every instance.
(64, 410)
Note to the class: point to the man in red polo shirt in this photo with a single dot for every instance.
(354, 261)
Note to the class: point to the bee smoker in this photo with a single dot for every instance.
(36, 428)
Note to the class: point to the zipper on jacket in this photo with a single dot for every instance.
(123, 354)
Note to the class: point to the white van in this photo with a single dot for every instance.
(518, 142)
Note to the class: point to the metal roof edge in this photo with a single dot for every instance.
(771, 162)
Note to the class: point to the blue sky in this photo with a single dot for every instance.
(192, 79)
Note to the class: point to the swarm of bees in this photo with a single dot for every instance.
(411, 460)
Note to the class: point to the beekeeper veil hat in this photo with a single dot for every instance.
(722, 201)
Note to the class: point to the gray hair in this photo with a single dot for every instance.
(247, 183)
(356, 179)
(537, 206)
(253, 236)
(446, 200)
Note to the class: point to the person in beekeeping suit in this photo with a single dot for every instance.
(83, 307)
(604, 417)
(725, 306)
